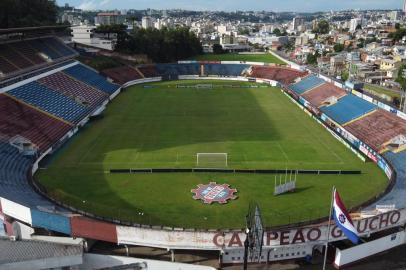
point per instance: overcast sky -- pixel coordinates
(232, 5)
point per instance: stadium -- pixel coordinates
(171, 155)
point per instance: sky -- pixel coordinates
(232, 5)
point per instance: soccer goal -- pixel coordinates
(212, 160)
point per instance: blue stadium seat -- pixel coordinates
(348, 108)
(58, 46)
(231, 70)
(90, 77)
(172, 71)
(50, 101)
(13, 178)
(41, 46)
(306, 84)
(398, 193)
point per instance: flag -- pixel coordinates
(343, 219)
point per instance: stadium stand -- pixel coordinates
(170, 71)
(348, 108)
(28, 52)
(281, 74)
(224, 70)
(14, 57)
(41, 46)
(398, 193)
(123, 74)
(377, 128)
(306, 84)
(6, 66)
(321, 95)
(148, 71)
(50, 101)
(18, 56)
(74, 89)
(19, 119)
(58, 46)
(91, 77)
(13, 178)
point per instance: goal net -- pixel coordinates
(212, 160)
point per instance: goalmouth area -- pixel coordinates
(163, 125)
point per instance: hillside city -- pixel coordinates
(363, 46)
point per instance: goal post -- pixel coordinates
(212, 160)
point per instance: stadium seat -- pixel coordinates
(348, 108)
(13, 178)
(122, 75)
(224, 69)
(172, 71)
(280, 74)
(306, 84)
(50, 101)
(19, 119)
(76, 90)
(91, 77)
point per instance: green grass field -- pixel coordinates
(165, 126)
(266, 58)
(376, 89)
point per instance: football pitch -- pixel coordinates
(266, 57)
(160, 125)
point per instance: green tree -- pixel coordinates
(399, 34)
(24, 13)
(217, 49)
(401, 77)
(338, 47)
(323, 27)
(277, 32)
(312, 58)
(345, 75)
(164, 45)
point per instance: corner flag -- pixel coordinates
(343, 219)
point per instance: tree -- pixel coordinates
(323, 27)
(359, 27)
(312, 58)
(23, 13)
(218, 49)
(243, 31)
(400, 79)
(164, 45)
(399, 34)
(345, 75)
(277, 32)
(338, 47)
(397, 26)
